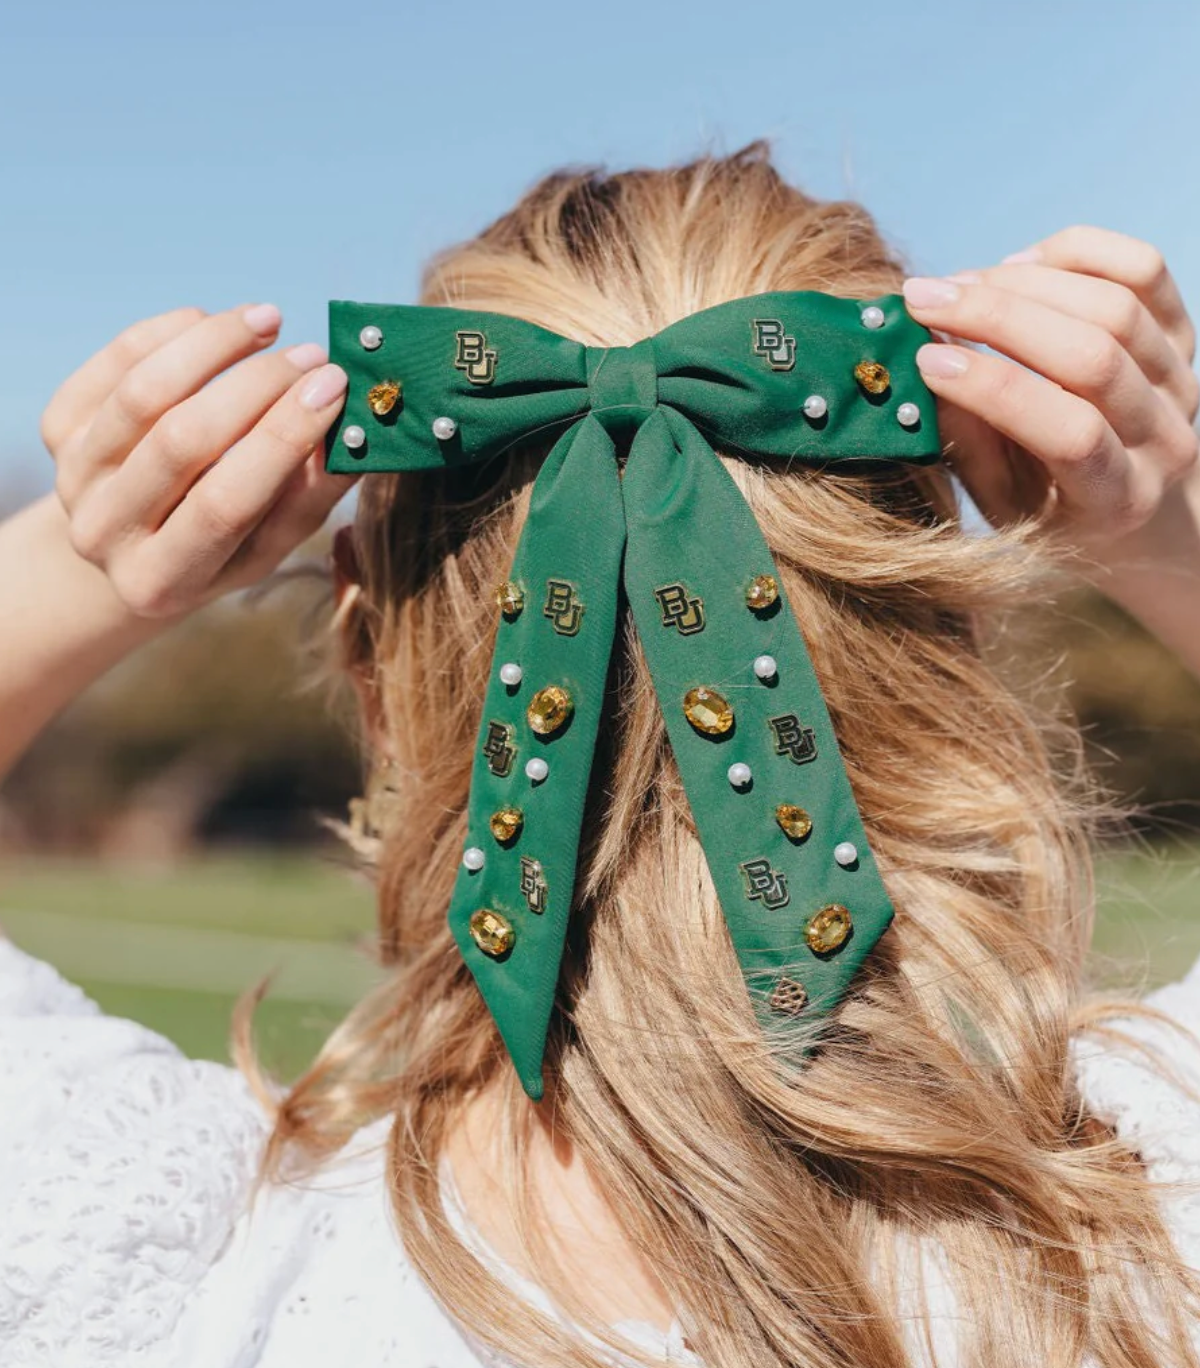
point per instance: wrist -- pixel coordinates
(1154, 573)
(62, 623)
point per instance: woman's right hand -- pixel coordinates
(190, 458)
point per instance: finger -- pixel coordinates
(141, 492)
(177, 564)
(172, 374)
(1093, 472)
(1137, 265)
(74, 403)
(300, 512)
(1075, 354)
(1115, 308)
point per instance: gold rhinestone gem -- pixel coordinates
(549, 709)
(763, 590)
(506, 824)
(829, 929)
(789, 996)
(492, 932)
(383, 398)
(872, 376)
(509, 598)
(793, 821)
(707, 711)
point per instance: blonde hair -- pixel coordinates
(780, 1202)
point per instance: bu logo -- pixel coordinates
(773, 344)
(475, 357)
(533, 884)
(563, 607)
(793, 739)
(679, 610)
(499, 749)
(764, 884)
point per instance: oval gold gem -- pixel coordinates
(509, 598)
(549, 709)
(872, 376)
(383, 398)
(829, 929)
(761, 592)
(506, 824)
(492, 932)
(707, 710)
(793, 821)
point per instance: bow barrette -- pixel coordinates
(800, 375)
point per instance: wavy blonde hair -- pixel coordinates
(780, 1203)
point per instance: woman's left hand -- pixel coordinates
(1085, 419)
(1092, 432)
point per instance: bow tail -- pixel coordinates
(509, 916)
(801, 922)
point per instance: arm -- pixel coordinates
(61, 623)
(1092, 432)
(181, 475)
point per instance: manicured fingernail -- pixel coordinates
(263, 319)
(942, 362)
(967, 277)
(928, 292)
(325, 387)
(1020, 258)
(307, 355)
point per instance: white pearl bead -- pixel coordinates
(371, 337)
(740, 774)
(510, 674)
(845, 853)
(473, 859)
(909, 415)
(872, 316)
(353, 436)
(537, 769)
(765, 667)
(444, 428)
(815, 406)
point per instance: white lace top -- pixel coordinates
(126, 1238)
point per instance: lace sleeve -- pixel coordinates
(1150, 1092)
(123, 1166)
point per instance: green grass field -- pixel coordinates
(174, 948)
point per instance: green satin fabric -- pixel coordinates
(674, 525)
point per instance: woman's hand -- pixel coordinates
(180, 475)
(185, 475)
(1085, 419)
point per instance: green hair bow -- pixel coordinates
(803, 376)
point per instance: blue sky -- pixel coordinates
(157, 154)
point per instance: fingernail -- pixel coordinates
(940, 361)
(928, 292)
(1020, 258)
(263, 319)
(327, 385)
(967, 277)
(307, 355)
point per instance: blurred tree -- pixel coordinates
(1139, 708)
(222, 729)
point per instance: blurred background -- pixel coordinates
(164, 842)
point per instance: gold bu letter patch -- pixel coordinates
(680, 610)
(563, 607)
(776, 348)
(474, 357)
(765, 884)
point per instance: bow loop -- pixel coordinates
(802, 376)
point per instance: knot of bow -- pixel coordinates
(798, 375)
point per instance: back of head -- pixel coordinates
(775, 1195)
